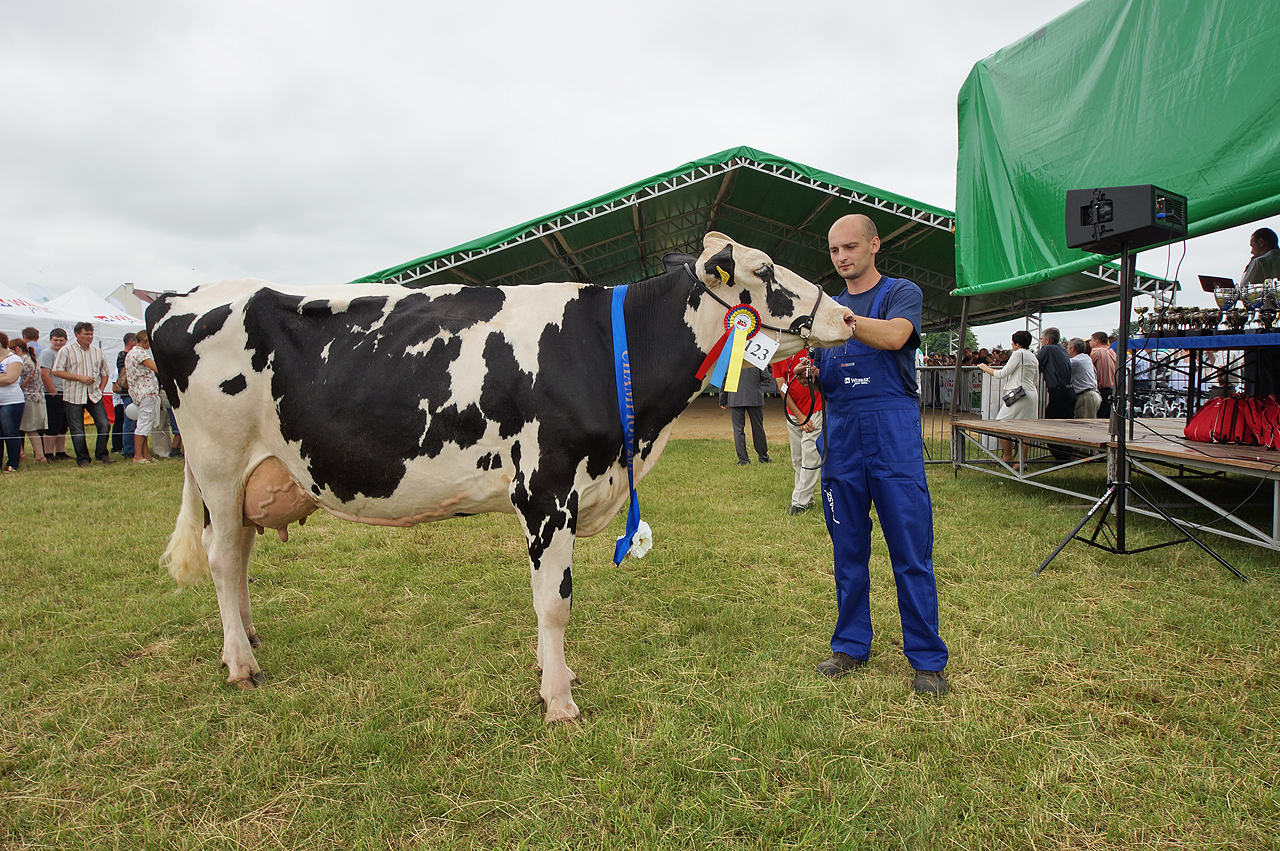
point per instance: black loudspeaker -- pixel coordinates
(1105, 220)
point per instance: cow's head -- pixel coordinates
(740, 275)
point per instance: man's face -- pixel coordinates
(1044, 341)
(129, 345)
(57, 342)
(84, 338)
(852, 253)
(1256, 248)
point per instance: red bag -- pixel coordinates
(1267, 423)
(1226, 419)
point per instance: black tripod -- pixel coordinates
(1118, 490)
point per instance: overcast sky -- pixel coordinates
(169, 144)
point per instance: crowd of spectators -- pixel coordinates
(991, 357)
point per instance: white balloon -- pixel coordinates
(131, 411)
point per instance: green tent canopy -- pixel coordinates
(1182, 94)
(781, 207)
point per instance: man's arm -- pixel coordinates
(888, 335)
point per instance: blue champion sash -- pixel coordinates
(626, 408)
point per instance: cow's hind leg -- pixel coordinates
(229, 545)
(551, 578)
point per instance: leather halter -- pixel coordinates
(801, 326)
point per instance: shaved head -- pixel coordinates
(866, 228)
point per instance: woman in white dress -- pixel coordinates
(1022, 369)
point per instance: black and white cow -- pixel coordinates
(394, 405)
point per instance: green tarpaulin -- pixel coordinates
(1183, 94)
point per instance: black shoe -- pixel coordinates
(107, 459)
(799, 509)
(766, 460)
(176, 453)
(839, 664)
(743, 463)
(84, 463)
(931, 683)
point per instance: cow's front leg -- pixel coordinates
(551, 565)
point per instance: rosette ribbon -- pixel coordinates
(724, 361)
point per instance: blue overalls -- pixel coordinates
(874, 455)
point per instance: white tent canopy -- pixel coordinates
(110, 323)
(18, 312)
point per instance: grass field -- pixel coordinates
(1114, 702)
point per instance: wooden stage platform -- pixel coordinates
(1157, 449)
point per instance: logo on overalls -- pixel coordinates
(857, 382)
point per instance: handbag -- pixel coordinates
(1013, 395)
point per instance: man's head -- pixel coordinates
(1050, 337)
(1077, 347)
(84, 334)
(130, 340)
(31, 334)
(1262, 241)
(58, 338)
(853, 242)
(1099, 339)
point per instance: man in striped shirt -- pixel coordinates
(83, 370)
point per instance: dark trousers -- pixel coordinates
(1061, 406)
(738, 417)
(1104, 410)
(122, 428)
(75, 427)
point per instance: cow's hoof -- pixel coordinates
(559, 712)
(250, 682)
(254, 641)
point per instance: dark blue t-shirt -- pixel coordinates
(903, 300)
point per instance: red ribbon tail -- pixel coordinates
(713, 355)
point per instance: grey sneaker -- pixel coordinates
(930, 683)
(839, 664)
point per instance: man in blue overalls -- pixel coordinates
(874, 454)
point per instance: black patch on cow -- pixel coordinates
(506, 397)
(157, 310)
(779, 300)
(566, 584)
(340, 374)
(232, 386)
(744, 297)
(173, 345)
(489, 461)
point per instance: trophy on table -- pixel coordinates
(1253, 294)
(1142, 327)
(1268, 304)
(1225, 297)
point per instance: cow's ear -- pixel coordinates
(672, 261)
(719, 266)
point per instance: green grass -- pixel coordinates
(1114, 702)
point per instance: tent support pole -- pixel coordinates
(957, 375)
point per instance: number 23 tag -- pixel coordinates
(759, 351)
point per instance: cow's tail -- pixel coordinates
(185, 557)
